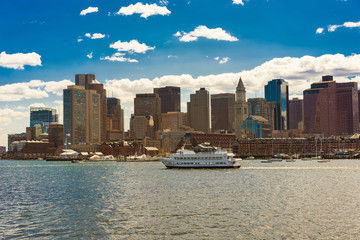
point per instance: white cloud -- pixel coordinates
(203, 31)
(90, 55)
(89, 10)
(119, 57)
(19, 60)
(224, 60)
(172, 56)
(319, 31)
(238, 2)
(80, 40)
(34, 89)
(95, 35)
(299, 72)
(332, 28)
(164, 2)
(146, 10)
(7, 116)
(132, 46)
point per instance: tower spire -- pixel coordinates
(240, 85)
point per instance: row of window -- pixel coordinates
(196, 163)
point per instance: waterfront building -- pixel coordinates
(192, 139)
(331, 108)
(241, 107)
(115, 120)
(256, 127)
(81, 115)
(259, 107)
(277, 94)
(142, 127)
(149, 104)
(56, 135)
(173, 120)
(42, 116)
(296, 113)
(2, 149)
(15, 137)
(222, 112)
(170, 98)
(199, 111)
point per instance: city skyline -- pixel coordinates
(256, 40)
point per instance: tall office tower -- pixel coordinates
(199, 111)
(241, 107)
(170, 98)
(81, 115)
(149, 104)
(277, 94)
(222, 112)
(331, 108)
(141, 127)
(296, 113)
(42, 116)
(259, 107)
(99, 88)
(84, 79)
(115, 120)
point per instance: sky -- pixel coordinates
(134, 46)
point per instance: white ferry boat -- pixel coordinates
(202, 156)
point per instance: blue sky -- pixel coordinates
(133, 46)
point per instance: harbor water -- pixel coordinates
(279, 200)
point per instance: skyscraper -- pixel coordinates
(199, 111)
(84, 79)
(115, 120)
(81, 115)
(149, 104)
(241, 107)
(331, 108)
(277, 94)
(296, 113)
(222, 112)
(43, 116)
(170, 98)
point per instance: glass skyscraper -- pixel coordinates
(42, 116)
(277, 94)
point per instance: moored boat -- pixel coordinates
(202, 156)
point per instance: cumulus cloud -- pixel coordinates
(299, 72)
(19, 60)
(205, 32)
(222, 60)
(95, 35)
(34, 89)
(89, 10)
(145, 11)
(132, 46)
(319, 31)
(119, 57)
(7, 116)
(238, 2)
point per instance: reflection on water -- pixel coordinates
(301, 200)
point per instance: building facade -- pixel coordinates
(199, 111)
(241, 108)
(149, 104)
(115, 120)
(331, 108)
(222, 112)
(277, 94)
(82, 117)
(43, 116)
(173, 120)
(256, 127)
(259, 107)
(170, 98)
(142, 127)
(296, 113)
